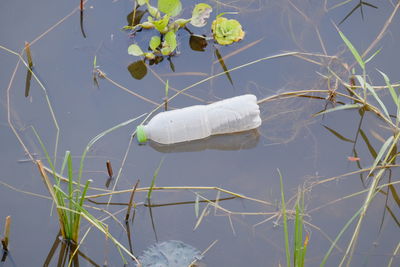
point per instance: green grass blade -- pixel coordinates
(391, 89)
(71, 216)
(339, 236)
(47, 155)
(380, 153)
(64, 164)
(153, 181)
(297, 237)
(285, 226)
(373, 55)
(342, 107)
(352, 49)
(374, 94)
(166, 89)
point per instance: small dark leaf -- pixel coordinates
(222, 62)
(171, 64)
(138, 17)
(197, 43)
(138, 69)
(156, 60)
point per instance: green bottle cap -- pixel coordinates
(140, 134)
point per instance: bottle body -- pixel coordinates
(231, 115)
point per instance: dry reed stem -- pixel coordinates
(145, 189)
(109, 169)
(6, 238)
(131, 200)
(28, 54)
(103, 75)
(49, 187)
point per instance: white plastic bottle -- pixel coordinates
(236, 114)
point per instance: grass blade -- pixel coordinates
(338, 135)
(222, 63)
(374, 94)
(154, 179)
(380, 153)
(98, 137)
(391, 89)
(285, 226)
(373, 55)
(343, 107)
(352, 49)
(339, 236)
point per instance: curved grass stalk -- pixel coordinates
(49, 105)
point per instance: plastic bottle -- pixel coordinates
(236, 114)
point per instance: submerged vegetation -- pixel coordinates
(348, 89)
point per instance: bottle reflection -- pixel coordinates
(235, 141)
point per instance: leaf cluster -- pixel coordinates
(163, 19)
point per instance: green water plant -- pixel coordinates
(227, 31)
(299, 244)
(163, 19)
(69, 199)
(366, 98)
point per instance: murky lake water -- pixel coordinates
(290, 139)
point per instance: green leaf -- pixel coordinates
(381, 152)
(200, 14)
(153, 11)
(149, 55)
(170, 7)
(347, 106)
(135, 50)
(352, 50)
(181, 22)
(226, 31)
(155, 41)
(372, 91)
(142, 2)
(170, 39)
(165, 51)
(161, 25)
(153, 181)
(391, 89)
(373, 55)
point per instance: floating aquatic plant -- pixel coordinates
(162, 19)
(227, 31)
